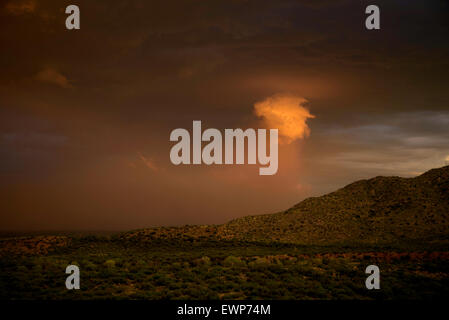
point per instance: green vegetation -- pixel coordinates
(112, 268)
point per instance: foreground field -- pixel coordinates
(114, 268)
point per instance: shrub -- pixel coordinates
(203, 261)
(232, 261)
(259, 262)
(110, 264)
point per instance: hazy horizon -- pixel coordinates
(11, 232)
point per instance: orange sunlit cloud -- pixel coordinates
(286, 113)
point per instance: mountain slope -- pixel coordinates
(382, 209)
(378, 210)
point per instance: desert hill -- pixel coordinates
(378, 210)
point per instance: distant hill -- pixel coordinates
(378, 210)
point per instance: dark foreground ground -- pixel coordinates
(112, 268)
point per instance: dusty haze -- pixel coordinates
(85, 116)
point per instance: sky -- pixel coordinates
(86, 115)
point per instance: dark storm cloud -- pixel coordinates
(85, 115)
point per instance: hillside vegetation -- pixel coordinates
(375, 211)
